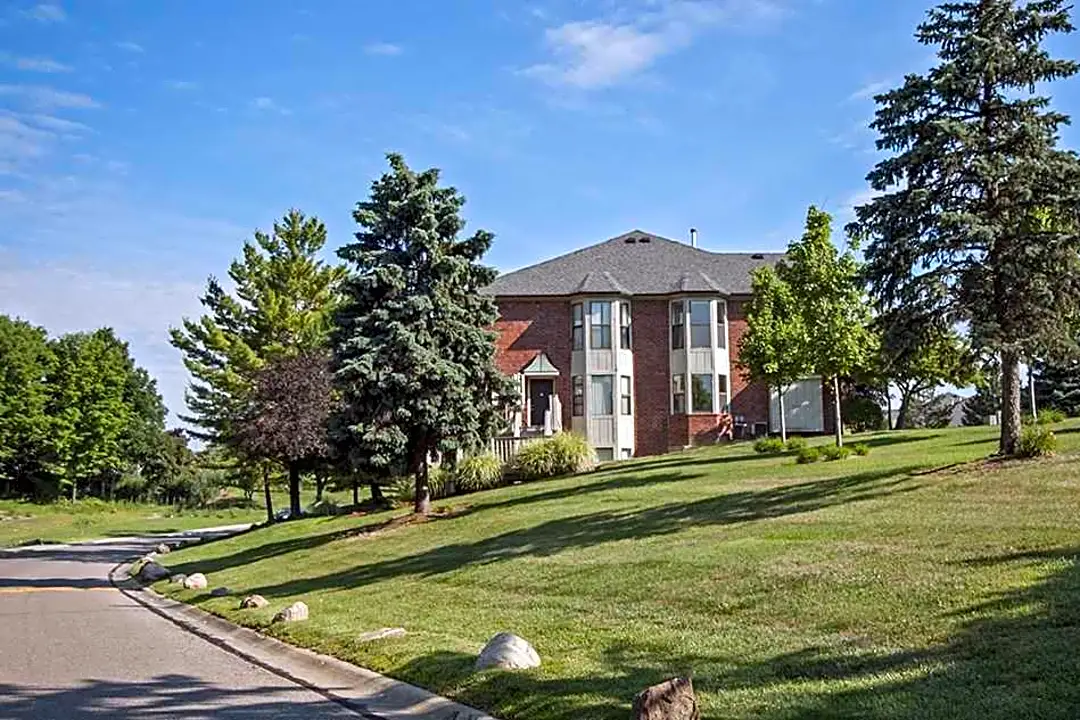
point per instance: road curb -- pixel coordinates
(362, 691)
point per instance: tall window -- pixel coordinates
(579, 326)
(678, 325)
(722, 392)
(700, 324)
(601, 401)
(624, 325)
(701, 391)
(678, 394)
(721, 324)
(578, 395)
(600, 326)
(625, 396)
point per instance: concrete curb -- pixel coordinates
(365, 692)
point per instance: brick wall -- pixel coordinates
(751, 400)
(652, 376)
(527, 327)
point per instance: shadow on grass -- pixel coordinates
(580, 531)
(1015, 657)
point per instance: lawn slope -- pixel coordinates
(908, 584)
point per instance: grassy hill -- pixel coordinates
(913, 583)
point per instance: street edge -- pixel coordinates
(365, 692)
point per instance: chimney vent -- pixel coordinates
(693, 237)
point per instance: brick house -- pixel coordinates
(633, 342)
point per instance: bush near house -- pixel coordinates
(1037, 441)
(561, 454)
(1050, 416)
(808, 456)
(832, 453)
(861, 449)
(769, 446)
(796, 444)
(479, 472)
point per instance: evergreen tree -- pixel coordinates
(828, 292)
(986, 401)
(975, 222)
(774, 348)
(26, 360)
(414, 352)
(282, 306)
(1057, 386)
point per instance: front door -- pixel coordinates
(539, 400)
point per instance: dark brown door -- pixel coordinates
(539, 398)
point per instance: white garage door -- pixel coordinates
(802, 401)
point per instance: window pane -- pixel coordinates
(601, 401)
(624, 326)
(579, 338)
(699, 336)
(678, 394)
(699, 312)
(600, 337)
(625, 393)
(676, 313)
(578, 407)
(600, 313)
(702, 393)
(722, 392)
(578, 314)
(721, 325)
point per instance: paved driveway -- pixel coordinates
(72, 648)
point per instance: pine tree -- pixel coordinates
(828, 293)
(975, 220)
(774, 348)
(414, 352)
(282, 307)
(1057, 386)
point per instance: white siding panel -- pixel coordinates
(577, 362)
(626, 431)
(601, 361)
(701, 360)
(802, 402)
(678, 362)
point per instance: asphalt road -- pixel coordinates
(72, 647)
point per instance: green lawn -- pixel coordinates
(897, 586)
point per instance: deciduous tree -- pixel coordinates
(975, 220)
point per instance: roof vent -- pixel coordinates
(757, 256)
(643, 240)
(630, 240)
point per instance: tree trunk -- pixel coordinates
(836, 415)
(422, 498)
(267, 496)
(320, 483)
(355, 493)
(1031, 388)
(74, 490)
(905, 410)
(377, 496)
(1010, 402)
(783, 413)
(294, 489)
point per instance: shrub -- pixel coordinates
(324, 508)
(1051, 417)
(832, 453)
(1036, 441)
(769, 446)
(808, 455)
(479, 472)
(562, 454)
(861, 449)
(862, 414)
(403, 488)
(796, 444)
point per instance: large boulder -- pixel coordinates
(253, 602)
(220, 592)
(152, 572)
(195, 581)
(293, 613)
(670, 700)
(507, 651)
(178, 578)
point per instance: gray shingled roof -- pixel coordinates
(637, 263)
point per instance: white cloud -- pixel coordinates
(601, 52)
(854, 200)
(267, 104)
(47, 13)
(41, 96)
(43, 65)
(383, 48)
(130, 46)
(182, 85)
(60, 125)
(868, 91)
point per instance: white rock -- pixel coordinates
(508, 652)
(292, 613)
(195, 581)
(163, 549)
(152, 572)
(296, 611)
(254, 601)
(382, 634)
(178, 578)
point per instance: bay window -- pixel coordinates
(601, 400)
(701, 392)
(600, 326)
(678, 325)
(700, 324)
(578, 326)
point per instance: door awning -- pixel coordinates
(540, 366)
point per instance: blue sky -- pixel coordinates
(142, 142)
